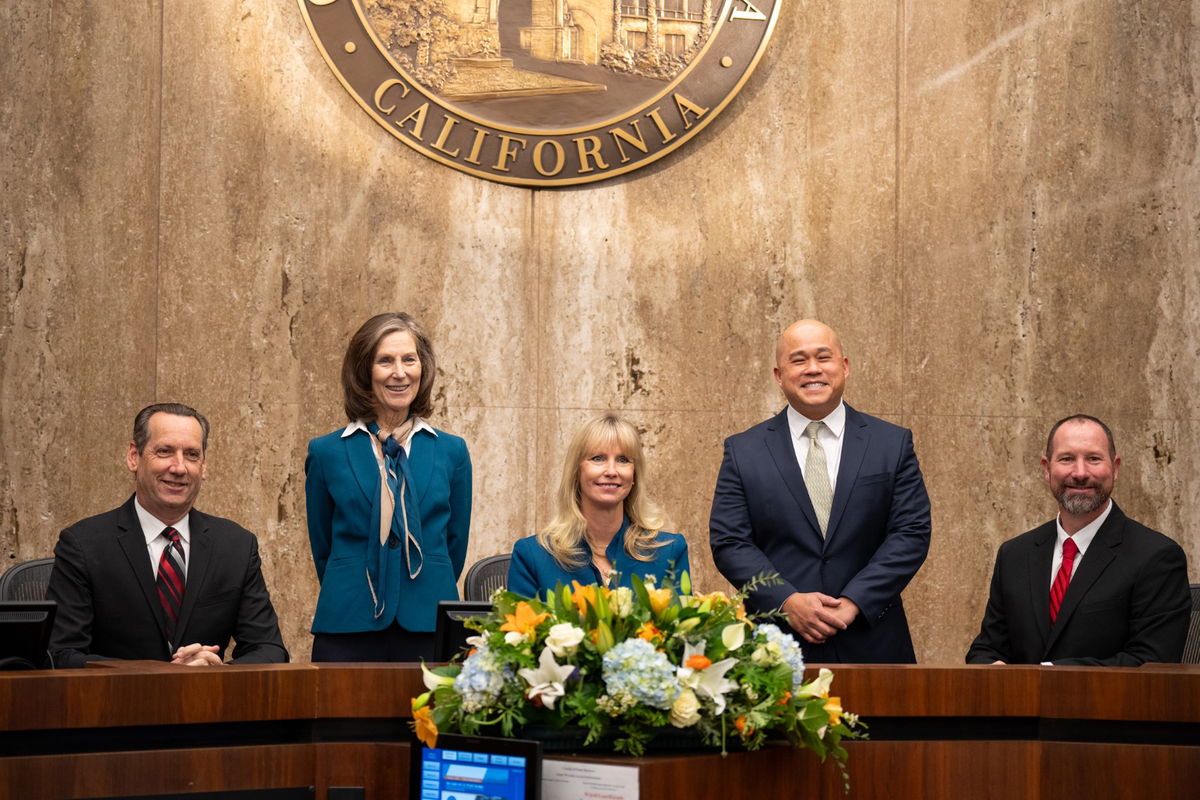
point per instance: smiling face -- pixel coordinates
(811, 369)
(395, 377)
(605, 477)
(169, 470)
(1080, 470)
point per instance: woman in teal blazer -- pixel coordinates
(605, 529)
(389, 503)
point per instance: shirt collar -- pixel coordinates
(152, 526)
(1083, 537)
(361, 425)
(836, 421)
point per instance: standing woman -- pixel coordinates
(604, 523)
(389, 503)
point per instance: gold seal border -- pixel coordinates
(691, 130)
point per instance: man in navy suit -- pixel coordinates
(1091, 587)
(830, 500)
(106, 578)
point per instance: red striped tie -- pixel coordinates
(170, 579)
(1063, 577)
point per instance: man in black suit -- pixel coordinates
(1091, 587)
(829, 499)
(156, 579)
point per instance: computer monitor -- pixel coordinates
(476, 768)
(25, 633)
(451, 635)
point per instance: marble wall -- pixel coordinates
(997, 204)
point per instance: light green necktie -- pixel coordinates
(816, 476)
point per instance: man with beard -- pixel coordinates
(1091, 587)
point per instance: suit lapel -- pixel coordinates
(420, 463)
(1100, 554)
(1040, 557)
(854, 447)
(133, 545)
(197, 572)
(783, 452)
(363, 465)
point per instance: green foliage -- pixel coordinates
(541, 661)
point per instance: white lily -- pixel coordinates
(547, 680)
(709, 681)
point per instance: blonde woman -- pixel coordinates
(605, 529)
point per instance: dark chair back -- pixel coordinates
(1191, 647)
(485, 577)
(27, 580)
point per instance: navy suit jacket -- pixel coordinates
(108, 605)
(763, 522)
(533, 571)
(342, 496)
(1128, 601)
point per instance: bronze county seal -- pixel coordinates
(542, 92)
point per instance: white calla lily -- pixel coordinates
(733, 636)
(433, 681)
(818, 687)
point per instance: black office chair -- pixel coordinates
(27, 580)
(1191, 647)
(485, 577)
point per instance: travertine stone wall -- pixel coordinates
(998, 205)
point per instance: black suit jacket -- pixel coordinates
(1128, 602)
(108, 606)
(763, 521)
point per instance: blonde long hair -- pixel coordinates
(565, 533)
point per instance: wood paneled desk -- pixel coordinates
(144, 728)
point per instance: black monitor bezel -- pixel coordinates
(448, 637)
(36, 631)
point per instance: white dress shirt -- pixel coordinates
(1083, 538)
(830, 436)
(152, 528)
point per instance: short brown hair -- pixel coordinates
(1112, 445)
(360, 353)
(141, 423)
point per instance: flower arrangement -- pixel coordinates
(627, 662)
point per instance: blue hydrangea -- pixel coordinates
(789, 648)
(481, 680)
(636, 669)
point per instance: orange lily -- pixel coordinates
(698, 661)
(425, 727)
(583, 595)
(740, 726)
(649, 632)
(524, 621)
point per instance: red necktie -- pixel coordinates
(1063, 577)
(170, 579)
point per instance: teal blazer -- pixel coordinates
(342, 497)
(534, 571)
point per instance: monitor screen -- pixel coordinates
(25, 633)
(451, 635)
(476, 768)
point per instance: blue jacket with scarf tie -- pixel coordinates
(366, 586)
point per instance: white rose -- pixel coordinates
(685, 711)
(514, 638)
(563, 638)
(766, 655)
